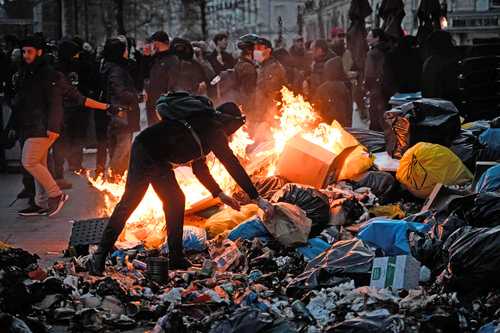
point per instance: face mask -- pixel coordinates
(258, 56)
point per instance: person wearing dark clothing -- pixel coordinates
(299, 57)
(220, 59)
(403, 68)
(374, 78)
(440, 69)
(246, 72)
(37, 119)
(321, 54)
(155, 152)
(161, 74)
(190, 75)
(333, 98)
(118, 88)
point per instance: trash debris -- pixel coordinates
(289, 225)
(399, 272)
(426, 164)
(265, 186)
(489, 181)
(250, 229)
(193, 239)
(228, 218)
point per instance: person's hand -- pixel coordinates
(52, 135)
(202, 88)
(229, 201)
(116, 109)
(266, 207)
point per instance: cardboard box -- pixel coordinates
(307, 163)
(399, 272)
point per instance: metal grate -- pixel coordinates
(87, 232)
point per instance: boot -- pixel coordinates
(97, 262)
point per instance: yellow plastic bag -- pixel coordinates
(389, 211)
(426, 164)
(228, 218)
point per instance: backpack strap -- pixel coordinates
(195, 136)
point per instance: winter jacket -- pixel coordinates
(374, 67)
(38, 104)
(227, 59)
(317, 71)
(119, 88)
(246, 74)
(189, 75)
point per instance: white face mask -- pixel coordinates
(258, 56)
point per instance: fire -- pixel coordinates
(296, 117)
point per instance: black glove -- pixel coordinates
(115, 109)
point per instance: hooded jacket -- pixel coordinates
(37, 105)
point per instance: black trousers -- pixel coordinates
(142, 172)
(101, 128)
(378, 106)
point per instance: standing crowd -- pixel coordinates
(52, 85)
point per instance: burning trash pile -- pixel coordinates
(371, 233)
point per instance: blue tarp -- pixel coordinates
(390, 235)
(489, 181)
(314, 247)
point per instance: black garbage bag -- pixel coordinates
(382, 184)
(344, 261)
(467, 147)
(474, 263)
(11, 324)
(425, 120)
(17, 257)
(265, 186)
(478, 210)
(251, 320)
(365, 325)
(495, 123)
(314, 203)
(374, 141)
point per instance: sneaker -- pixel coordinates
(64, 184)
(33, 210)
(56, 204)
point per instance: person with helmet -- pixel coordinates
(190, 128)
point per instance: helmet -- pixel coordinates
(247, 41)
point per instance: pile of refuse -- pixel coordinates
(412, 249)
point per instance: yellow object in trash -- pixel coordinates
(4, 246)
(426, 164)
(229, 218)
(389, 211)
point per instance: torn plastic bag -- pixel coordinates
(229, 218)
(194, 239)
(314, 203)
(467, 147)
(490, 139)
(314, 247)
(343, 261)
(426, 120)
(474, 262)
(265, 186)
(426, 164)
(289, 224)
(381, 183)
(489, 181)
(345, 211)
(373, 140)
(391, 236)
(253, 228)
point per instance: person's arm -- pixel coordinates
(55, 105)
(201, 172)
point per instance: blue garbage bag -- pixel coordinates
(489, 181)
(491, 139)
(249, 229)
(490, 327)
(194, 239)
(390, 235)
(314, 247)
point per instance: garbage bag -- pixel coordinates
(467, 147)
(229, 218)
(491, 140)
(490, 180)
(426, 164)
(265, 186)
(357, 162)
(345, 211)
(369, 325)
(425, 120)
(474, 263)
(373, 140)
(495, 123)
(388, 211)
(382, 184)
(478, 210)
(289, 224)
(343, 261)
(391, 236)
(11, 324)
(314, 247)
(194, 239)
(490, 327)
(314, 203)
(250, 320)
(253, 228)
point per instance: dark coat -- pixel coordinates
(374, 67)
(227, 59)
(119, 89)
(161, 76)
(402, 70)
(317, 71)
(38, 104)
(189, 75)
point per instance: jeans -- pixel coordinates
(34, 160)
(142, 172)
